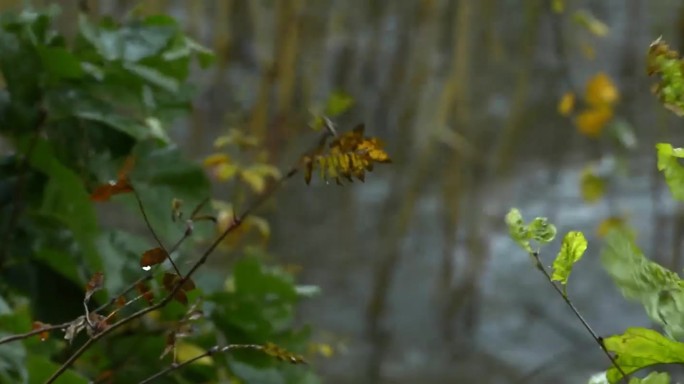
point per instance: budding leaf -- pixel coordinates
(638, 348)
(572, 249)
(94, 284)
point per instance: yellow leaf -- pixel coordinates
(591, 23)
(592, 187)
(610, 223)
(255, 180)
(325, 350)
(566, 104)
(266, 170)
(338, 103)
(186, 351)
(216, 159)
(601, 90)
(225, 172)
(591, 122)
(558, 6)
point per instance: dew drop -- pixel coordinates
(146, 268)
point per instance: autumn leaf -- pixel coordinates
(145, 292)
(40, 325)
(105, 191)
(122, 184)
(153, 257)
(601, 90)
(282, 354)
(350, 155)
(566, 104)
(94, 284)
(591, 122)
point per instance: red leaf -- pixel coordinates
(105, 191)
(39, 325)
(95, 284)
(153, 257)
(169, 281)
(126, 168)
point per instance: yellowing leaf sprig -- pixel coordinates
(350, 155)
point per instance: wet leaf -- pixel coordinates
(573, 247)
(153, 257)
(39, 325)
(104, 192)
(94, 284)
(638, 348)
(566, 104)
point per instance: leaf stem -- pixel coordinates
(26, 335)
(579, 316)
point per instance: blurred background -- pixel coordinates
(543, 105)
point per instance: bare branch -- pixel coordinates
(211, 351)
(579, 316)
(34, 332)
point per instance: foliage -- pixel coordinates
(659, 290)
(87, 119)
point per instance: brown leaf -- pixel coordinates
(170, 344)
(153, 257)
(181, 297)
(105, 377)
(145, 292)
(104, 192)
(39, 325)
(169, 280)
(94, 284)
(120, 301)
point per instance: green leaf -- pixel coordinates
(541, 230)
(659, 290)
(572, 249)
(59, 63)
(652, 378)
(671, 168)
(40, 369)
(518, 230)
(154, 77)
(66, 199)
(639, 348)
(338, 103)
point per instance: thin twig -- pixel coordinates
(26, 335)
(154, 233)
(235, 224)
(211, 351)
(579, 316)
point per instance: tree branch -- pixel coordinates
(211, 351)
(237, 221)
(26, 335)
(566, 299)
